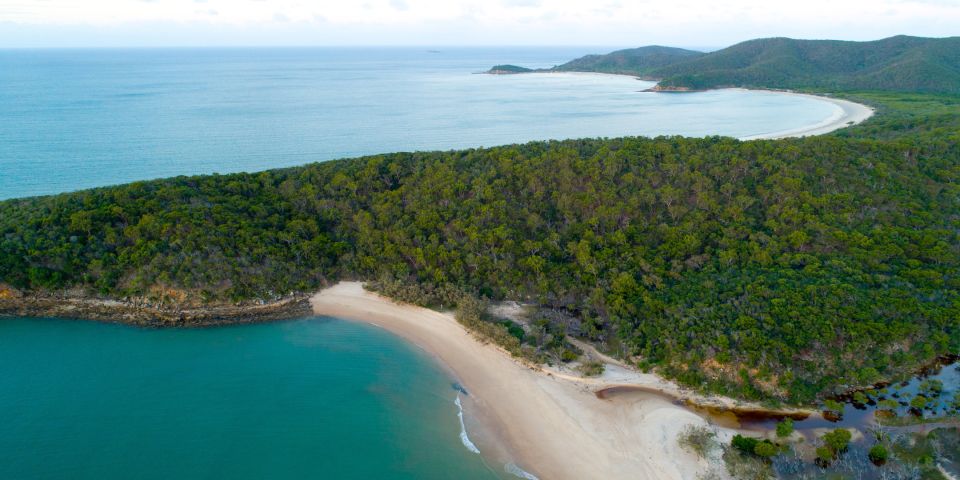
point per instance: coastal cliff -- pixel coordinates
(143, 312)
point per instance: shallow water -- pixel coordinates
(312, 398)
(72, 119)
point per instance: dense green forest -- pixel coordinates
(895, 64)
(764, 269)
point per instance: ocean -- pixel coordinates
(73, 119)
(309, 398)
(312, 398)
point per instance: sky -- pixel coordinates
(684, 23)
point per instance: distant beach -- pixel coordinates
(848, 114)
(549, 424)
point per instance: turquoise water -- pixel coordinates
(314, 398)
(72, 119)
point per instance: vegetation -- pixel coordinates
(766, 449)
(785, 428)
(698, 439)
(837, 440)
(833, 408)
(509, 69)
(900, 64)
(591, 368)
(471, 312)
(896, 64)
(878, 454)
(753, 446)
(742, 465)
(634, 61)
(795, 255)
(924, 451)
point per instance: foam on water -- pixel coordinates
(463, 429)
(272, 390)
(516, 471)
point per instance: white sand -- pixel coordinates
(552, 424)
(846, 113)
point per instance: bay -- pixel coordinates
(310, 398)
(73, 119)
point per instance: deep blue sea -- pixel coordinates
(73, 119)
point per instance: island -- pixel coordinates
(508, 70)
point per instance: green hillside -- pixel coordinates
(636, 61)
(903, 64)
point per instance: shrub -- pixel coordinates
(824, 455)
(591, 368)
(878, 454)
(833, 407)
(698, 439)
(838, 440)
(919, 402)
(744, 444)
(785, 428)
(765, 449)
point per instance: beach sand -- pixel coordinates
(846, 114)
(549, 423)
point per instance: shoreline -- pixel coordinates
(547, 423)
(146, 314)
(848, 113)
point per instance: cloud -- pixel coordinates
(521, 3)
(455, 22)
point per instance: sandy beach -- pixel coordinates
(550, 424)
(847, 113)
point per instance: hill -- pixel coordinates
(635, 61)
(896, 64)
(902, 64)
(508, 70)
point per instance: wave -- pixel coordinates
(516, 471)
(463, 429)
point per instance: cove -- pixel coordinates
(309, 398)
(74, 119)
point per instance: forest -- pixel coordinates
(761, 269)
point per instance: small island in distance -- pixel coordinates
(806, 291)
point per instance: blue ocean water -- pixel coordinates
(73, 119)
(312, 398)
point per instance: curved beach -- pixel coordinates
(847, 114)
(551, 425)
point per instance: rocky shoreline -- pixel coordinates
(142, 313)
